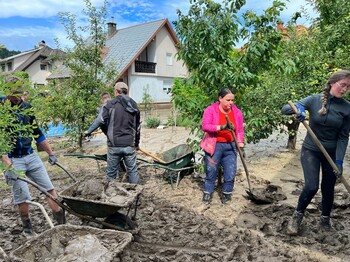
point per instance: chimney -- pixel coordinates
(41, 44)
(112, 28)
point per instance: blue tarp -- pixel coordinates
(55, 130)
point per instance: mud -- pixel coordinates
(174, 225)
(73, 243)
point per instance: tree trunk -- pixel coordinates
(292, 131)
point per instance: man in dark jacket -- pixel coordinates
(24, 159)
(121, 125)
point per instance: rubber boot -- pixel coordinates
(226, 198)
(294, 225)
(27, 228)
(206, 198)
(60, 216)
(325, 223)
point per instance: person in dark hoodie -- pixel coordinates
(23, 158)
(329, 118)
(121, 124)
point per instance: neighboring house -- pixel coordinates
(145, 58)
(38, 63)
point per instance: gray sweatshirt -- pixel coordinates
(331, 129)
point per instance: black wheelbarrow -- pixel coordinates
(109, 199)
(177, 162)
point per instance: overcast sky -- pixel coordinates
(24, 23)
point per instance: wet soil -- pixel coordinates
(174, 225)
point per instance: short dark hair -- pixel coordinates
(225, 91)
(105, 93)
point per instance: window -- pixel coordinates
(9, 66)
(43, 67)
(3, 67)
(169, 59)
(167, 86)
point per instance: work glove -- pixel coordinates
(228, 126)
(339, 164)
(52, 159)
(242, 151)
(300, 116)
(86, 134)
(10, 177)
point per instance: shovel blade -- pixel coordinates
(260, 200)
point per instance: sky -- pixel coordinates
(24, 23)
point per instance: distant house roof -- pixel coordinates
(125, 45)
(41, 51)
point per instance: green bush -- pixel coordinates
(152, 122)
(180, 121)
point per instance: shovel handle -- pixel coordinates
(65, 170)
(240, 154)
(151, 155)
(321, 147)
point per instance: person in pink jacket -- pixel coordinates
(219, 145)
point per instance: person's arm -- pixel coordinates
(138, 129)
(97, 122)
(104, 120)
(208, 124)
(6, 160)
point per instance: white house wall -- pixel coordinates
(154, 84)
(166, 45)
(37, 75)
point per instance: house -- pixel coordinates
(145, 57)
(38, 63)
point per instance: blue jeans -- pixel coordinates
(114, 156)
(225, 155)
(311, 162)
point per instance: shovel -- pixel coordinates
(320, 146)
(251, 196)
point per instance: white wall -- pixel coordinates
(155, 84)
(166, 45)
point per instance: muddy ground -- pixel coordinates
(174, 225)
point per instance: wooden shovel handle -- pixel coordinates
(320, 146)
(240, 154)
(151, 155)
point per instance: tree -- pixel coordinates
(208, 34)
(4, 52)
(8, 115)
(74, 101)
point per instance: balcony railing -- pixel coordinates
(145, 67)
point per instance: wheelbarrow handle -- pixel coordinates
(65, 170)
(151, 155)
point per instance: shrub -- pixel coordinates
(152, 122)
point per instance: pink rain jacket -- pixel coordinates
(210, 121)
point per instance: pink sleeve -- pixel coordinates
(209, 120)
(239, 125)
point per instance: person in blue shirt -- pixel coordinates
(329, 119)
(22, 158)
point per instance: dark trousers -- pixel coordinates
(312, 162)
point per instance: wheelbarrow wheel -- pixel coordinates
(121, 220)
